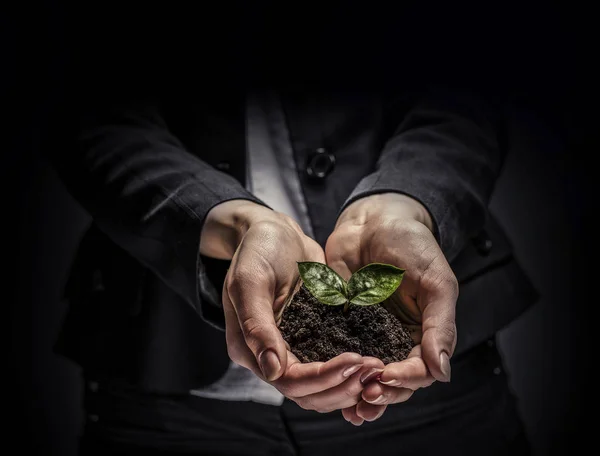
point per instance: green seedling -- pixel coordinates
(371, 284)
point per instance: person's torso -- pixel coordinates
(125, 322)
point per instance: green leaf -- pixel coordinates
(374, 283)
(323, 283)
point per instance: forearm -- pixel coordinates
(446, 154)
(145, 191)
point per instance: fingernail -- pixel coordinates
(392, 382)
(269, 364)
(351, 370)
(379, 400)
(368, 375)
(445, 366)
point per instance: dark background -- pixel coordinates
(544, 198)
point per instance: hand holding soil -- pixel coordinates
(388, 228)
(261, 275)
(395, 229)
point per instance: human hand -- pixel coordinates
(394, 228)
(265, 247)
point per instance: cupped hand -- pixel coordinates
(394, 228)
(265, 247)
(325, 387)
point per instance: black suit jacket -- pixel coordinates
(145, 306)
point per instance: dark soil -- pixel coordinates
(317, 332)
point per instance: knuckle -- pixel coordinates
(271, 226)
(229, 285)
(447, 330)
(293, 224)
(405, 229)
(281, 229)
(411, 368)
(452, 284)
(319, 370)
(449, 282)
(253, 329)
(432, 276)
(233, 285)
(416, 365)
(436, 279)
(353, 391)
(242, 278)
(395, 374)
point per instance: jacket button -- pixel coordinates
(483, 244)
(320, 164)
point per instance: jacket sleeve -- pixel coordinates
(145, 191)
(446, 152)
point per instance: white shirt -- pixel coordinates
(273, 178)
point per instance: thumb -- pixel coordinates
(439, 329)
(437, 349)
(257, 323)
(437, 346)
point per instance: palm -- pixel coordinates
(406, 310)
(407, 253)
(424, 301)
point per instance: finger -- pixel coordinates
(369, 412)
(341, 396)
(437, 299)
(251, 291)
(351, 416)
(237, 349)
(372, 369)
(411, 373)
(378, 394)
(303, 379)
(344, 395)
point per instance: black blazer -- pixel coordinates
(145, 306)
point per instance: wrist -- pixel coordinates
(397, 204)
(226, 224)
